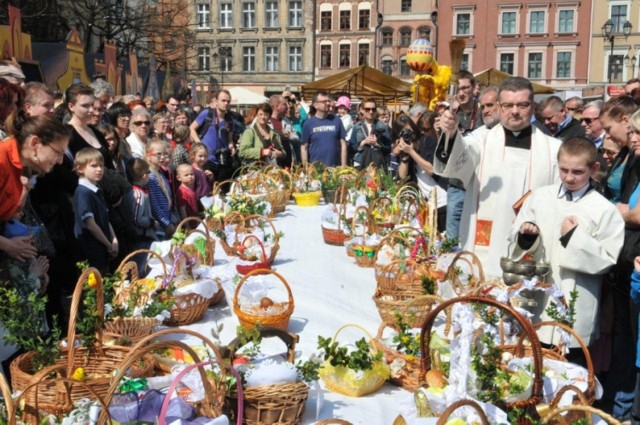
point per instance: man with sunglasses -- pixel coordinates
(370, 139)
(590, 121)
(323, 135)
(498, 168)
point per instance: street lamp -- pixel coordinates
(222, 55)
(607, 32)
(633, 59)
(434, 20)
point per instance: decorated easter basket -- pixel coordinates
(364, 253)
(346, 381)
(337, 236)
(98, 362)
(280, 404)
(282, 310)
(190, 249)
(261, 263)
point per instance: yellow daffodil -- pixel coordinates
(92, 281)
(78, 374)
(410, 357)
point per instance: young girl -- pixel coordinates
(159, 189)
(203, 178)
(182, 144)
(186, 199)
(138, 171)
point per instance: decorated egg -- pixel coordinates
(420, 55)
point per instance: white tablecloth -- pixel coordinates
(329, 290)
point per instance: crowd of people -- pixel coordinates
(93, 176)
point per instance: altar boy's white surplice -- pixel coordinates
(496, 177)
(592, 249)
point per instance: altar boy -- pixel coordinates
(574, 228)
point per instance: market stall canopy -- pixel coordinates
(493, 77)
(362, 82)
(242, 96)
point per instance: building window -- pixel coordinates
(345, 20)
(563, 64)
(405, 6)
(536, 22)
(325, 56)
(405, 37)
(248, 15)
(203, 16)
(424, 32)
(295, 14)
(465, 62)
(404, 68)
(463, 24)
(345, 55)
(508, 23)
(618, 16)
(248, 58)
(225, 60)
(387, 37)
(506, 62)
(325, 20)
(565, 21)
(271, 58)
(364, 16)
(534, 69)
(615, 66)
(363, 54)
(226, 20)
(271, 14)
(295, 58)
(203, 58)
(387, 66)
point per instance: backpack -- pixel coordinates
(202, 130)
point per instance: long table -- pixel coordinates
(329, 291)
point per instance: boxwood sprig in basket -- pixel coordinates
(359, 359)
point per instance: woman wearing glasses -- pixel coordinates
(80, 101)
(140, 129)
(370, 139)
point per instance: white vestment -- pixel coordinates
(495, 178)
(592, 249)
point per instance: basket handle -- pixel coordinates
(76, 302)
(396, 235)
(566, 388)
(420, 242)
(249, 237)
(451, 272)
(178, 331)
(129, 257)
(260, 218)
(425, 337)
(363, 330)
(289, 339)
(167, 398)
(591, 381)
(260, 272)
(137, 354)
(355, 221)
(578, 408)
(444, 417)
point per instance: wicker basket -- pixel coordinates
(281, 404)
(554, 417)
(406, 276)
(364, 255)
(475, 265)
(578, 399)
(210, 247)
(278, 321)
(382, 214)
(442, 420)
(337, 378)
(260, 264)
(413, 308)
(213, 404)
(400, 239)
(187, 309)
(409, 376)
(246, 224)
(337, 236)
(99, 362)
(307, 199)
(527, 406)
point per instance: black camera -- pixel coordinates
(378, 132)
(406, 135)
(223, 156)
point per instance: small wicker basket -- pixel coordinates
(278, 321)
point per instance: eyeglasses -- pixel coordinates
(57, 151)
(369, 109)
(159, 154)
(588, 120)
(609, 152)
(139, 123)
(523, 106)
(323, 101)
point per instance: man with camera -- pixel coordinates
(370, 139)
(214, 128)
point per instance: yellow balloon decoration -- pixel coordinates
(432, 88)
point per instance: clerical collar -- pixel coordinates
(520, 139)
(576, 195)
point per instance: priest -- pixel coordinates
(498, 167)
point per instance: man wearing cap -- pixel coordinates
(323, 135)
